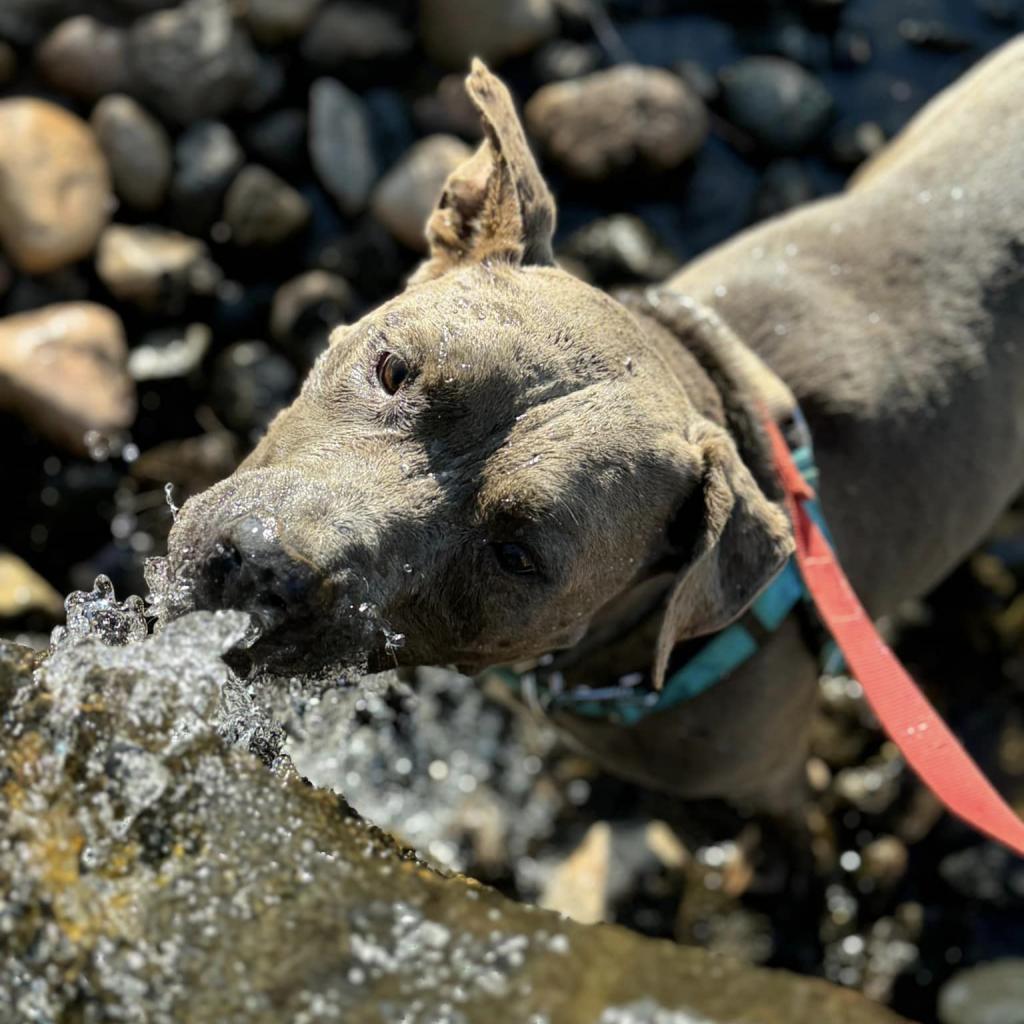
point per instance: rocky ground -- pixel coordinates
(192, 194)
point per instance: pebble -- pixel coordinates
(933, 35)
(137, 148)
(262, 209)
(448, 110)
(346, 31)
(63, 368)
(851, 48)
(578, 887)
(192, 464)
(784, 184)
(279, 139)
(169, 352)
(250, 384)
(453, 31)
(852, 144)
(990, 993)
(562, 59)
(191, 61)
(782, 107)
(408, 193)
(884, 860)
(277, 21)
(8, 63)
(83, 58)
(306, 308)
(340, 144)
(618, 120)
(620, 249)
(23, 591)
(154, 267)
(54, 185)
(207, 157)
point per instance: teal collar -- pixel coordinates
(716, 658)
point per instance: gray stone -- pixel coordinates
(262, 209)
(137, 149)
(207, 157)
(347, 30)
(313, 302)
(407, 194)
(620, 249)
(8, 62)
(625, 119)
(991, 993)
(277, 21)
(454, 31)
(191, 61)
(83, 58)
(340, 144)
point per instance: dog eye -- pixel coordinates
(392, 370)
(515, 559)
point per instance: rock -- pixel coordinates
(851, 144)
(851, 48)
(307, 308)
(54, 185)
(453, 31)
(563, 58)
(991, 993)
(68, 284)
(24, 592)
(780, 105)
(250, 385)
(262, 209)
(616, 121)
(169, 352)
(340, 144)
(884, 861)
(207, 157)
(345, 32)
(619, 249)
(154, 267)
(190, 62)
(934, 35)
(406, 196)
(62, 368)
(785, 184)
(83, 58)
(266, 84)
(8, 63)
(191, 465)
(279, 139)
(448, 110)
(368, 257)
(578, 885)
(137, 149)
(186, 881)
(277, 21)
(390, 125)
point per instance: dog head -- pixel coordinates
(479, 466)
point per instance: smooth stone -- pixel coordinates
(137, 148)
(170, 352)
(8, 63)
(311, 304)
(23, 591)
(207, 157)
(277, 21)
(564, 58)
(83, 58)
(62, 369)
(341, 145)
(346, 31)
(251, 383)
(851, 144)
(453, 31)
(990, 993)
(618, 249)
(408, 193)
(190, 62)
(620, 120)
(784, 185)
(279, 139)
(262, 209)
(192, 464)
(780, 105)
(448, 110)
(54, 185)
(153, 267)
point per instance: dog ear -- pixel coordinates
(732, 542)
(494, 205)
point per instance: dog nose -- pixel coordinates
(250, 569)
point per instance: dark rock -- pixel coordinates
(851, 48)
(368, 256)
(277, 21)
(934, 35)
(207, 157)
(620, 120)
(620, 249)
(169, 352)
(390, 125)
(788, 37)
(780, 105)
(346, 32)
(991, 993)
(262, 209)
(307, 308)
(985, 873)
(699, 79)
(279, 139)
(8, 62)
(563, 58)
(83, 58)
(137, 149)
(250, 384)
(785, 184)
(190, 62)
(340, 144)
(448, 110)
(1005, 13)
(192, 464)
(851, 144)
(267, 85)
(453, 31)
(68, 284)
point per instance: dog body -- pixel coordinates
(503, 461)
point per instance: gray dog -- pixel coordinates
(504, 462)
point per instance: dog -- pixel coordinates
(504, 463)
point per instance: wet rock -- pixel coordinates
(620, 120)
(154, 267)
(262, 209)
(54, 185)
(780, 105)
(250, 384)
(448, 110)
(207, 157)
(277, 21)
(347, 32)
(577, 887)
(620, 249)
(368, 257)
(62, 368)
(933, 35)
(24, 592)
(884, 861)
(64, 285)
(985, 873)
(8, 63)
(191, 61)
(453, 31)
(564, 58)
(340, 144)
(406, 196)
(308, 307)
(279, 139)
(169, 352)
(124, 810)
(785, 184)
(83, 58)
(266, 86)
(991, 993)
(390, 125)
(851, 144)
(137, 149)
(191, 465)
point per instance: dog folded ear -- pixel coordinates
(494, 206)
(732, 541)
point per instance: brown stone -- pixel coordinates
(454, 31)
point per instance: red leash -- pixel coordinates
(907, 717)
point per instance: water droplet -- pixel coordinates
(169, 498)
